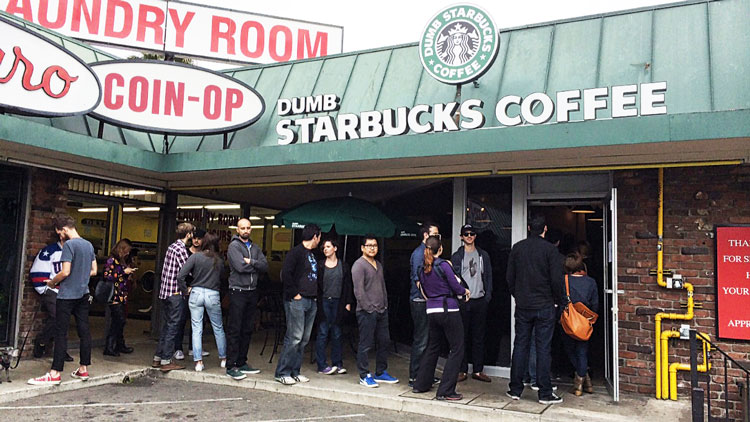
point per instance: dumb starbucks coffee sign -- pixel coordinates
(459, 44)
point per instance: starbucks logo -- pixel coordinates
(459, 44)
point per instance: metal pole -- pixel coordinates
(697, 392)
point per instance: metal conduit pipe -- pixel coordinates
(673, 368)
(663, 376)
(659, 280)
(662, 368)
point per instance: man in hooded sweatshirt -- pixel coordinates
(246, 263)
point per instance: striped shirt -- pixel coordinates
(175, 258)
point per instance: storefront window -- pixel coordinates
(488, 209)
(11, 227)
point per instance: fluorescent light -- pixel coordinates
(233, 227)
(190, 207)
(145, 209)
(223, 207)
(270, 217)
(254, 217)
(131, 192)
(93, 209)
(256, 227)
(275, 226)
(129, 209)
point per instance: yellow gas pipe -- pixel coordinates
(665, 337)
(673, 368)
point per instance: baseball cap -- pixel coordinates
(467, 228)
(199, 233)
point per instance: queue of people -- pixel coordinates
(449, 302)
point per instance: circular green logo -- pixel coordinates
(459, 44)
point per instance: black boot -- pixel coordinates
(110, 347)
(123, 348)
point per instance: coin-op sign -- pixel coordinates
(166, 97)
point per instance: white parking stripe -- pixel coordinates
(145, 403)
(315, 418)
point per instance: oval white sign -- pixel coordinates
(168, 97)
(41, 78)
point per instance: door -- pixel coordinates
(611, 367)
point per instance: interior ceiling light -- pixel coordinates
(190, 207)
(256, 227)
(583, 209)
(223, 207)
(270, 217)
(93, 209)
(253, 217)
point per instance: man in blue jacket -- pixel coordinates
(417, 303)
(473, 265)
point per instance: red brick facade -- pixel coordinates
(48, 198)
(695, 201)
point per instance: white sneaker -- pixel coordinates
(341, 371)
(198, 366)
(179, 355)
(223, 363)
(301, 378)
(203, 353)
(286, 380)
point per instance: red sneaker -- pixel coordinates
(83, 376)
(45, 379)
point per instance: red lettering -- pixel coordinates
(227, 35)
(234, 100)
(127, 24)
(180, 27)
(156, 97)
(24, 10)
(273, 43)
(174, 100)
(212, 102)
(92, 17)
(303, 41)
(245, 39)
(62, 6)
(28, 70)
(156, 24)
(138, 101)
(110, 81)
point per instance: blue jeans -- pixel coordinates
(171, 309)
(531, 373)
(578, 353)
(300, 316)
(542, 323)
(202, 298)
(328, 323)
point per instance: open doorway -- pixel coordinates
(579, 225)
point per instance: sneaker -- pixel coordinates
(247, 369)
(411, 382)
(199, 367)
(301, 378)
(45, 379)
(451, 397)
(341, 371)
(368, 381)
(386, 378)
(179, 355)
(553, 399)
(535, 387)
(223, 363)
(512, 396)
(156, 363)
(329, 370)
(235, 374)
(83, 376)
(68, 358)
(203, 353)
(286, 380)
(435, 381)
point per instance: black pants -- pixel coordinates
(180, 336)
(443, 326)
(373, 332)
(474, 318)
(240, 324)
(49, 304)
(171, 310)
(115, 335)
(79, 308)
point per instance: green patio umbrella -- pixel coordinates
(350, 216)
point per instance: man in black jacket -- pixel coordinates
(473, 264)
(246, 263)
(535, 277)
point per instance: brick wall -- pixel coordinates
(695, 200)
(48, 198)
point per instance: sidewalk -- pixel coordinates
(481, 400)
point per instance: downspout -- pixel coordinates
(673, 368)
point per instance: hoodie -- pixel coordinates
(244, 276)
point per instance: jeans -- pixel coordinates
(328, 323)
(300, 316)
(542, 322)
(180, 336)
(200, 299)
(373, 333)
(240, 324)
(474, 318)
(419, 343)
(578, 353)
(79, 308)
(531, 372)
(171, 311)
(49, 300)
(444, 327)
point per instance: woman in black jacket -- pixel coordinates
(335, 300)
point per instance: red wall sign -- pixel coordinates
(168, 97)
(39, 77)
(733, 282)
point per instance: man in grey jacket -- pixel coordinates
(246, 263)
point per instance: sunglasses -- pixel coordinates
(469, 234)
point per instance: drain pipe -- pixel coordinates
(673, 368)
(659, 281)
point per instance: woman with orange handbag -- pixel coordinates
(582, 289)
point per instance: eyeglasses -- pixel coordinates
(371, 246)
(466, 234)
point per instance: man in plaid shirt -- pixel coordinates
(172, 302)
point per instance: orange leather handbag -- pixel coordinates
(577, 319)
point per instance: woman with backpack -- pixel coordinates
(441, 287)
(206, 267)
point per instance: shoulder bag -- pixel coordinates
(577, 319)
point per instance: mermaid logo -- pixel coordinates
(459, 44)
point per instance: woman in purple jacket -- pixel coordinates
(440, 288)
